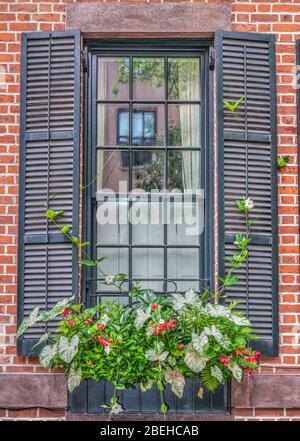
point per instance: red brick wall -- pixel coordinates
(281, 17)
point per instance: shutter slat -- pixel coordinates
(49, 164)
(247, 166)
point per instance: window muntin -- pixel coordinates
(161, 256)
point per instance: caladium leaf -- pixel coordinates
(217, 373)
(56, 310)
(74, 377)
(68, 349)
(194, 361)
(176, 380)
(43, 338)
(153, 356)
(189, 298)
(141, 317)
(240, 321)
(47, 355)
(29, 321)
(199, 342)
(223, 340)
(237, 371)
(146, 384)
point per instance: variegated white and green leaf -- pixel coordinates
(237, 371)
(31, 320)
(217, 373)
(178, 301)
(153, 356)
(68, 349)
(195, 361)
(191, 297)
(43, 338)
(56, 310)
(175, 378)
(240, 321)
(141, 317)
(74, 377)
(48, 353)
(146, 384)
(200, 342)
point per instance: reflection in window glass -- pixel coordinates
(184, 79)
(184, 125)
(111, 174)
(108, 119)
(148, 124)
(148, 79)
(113, 78)
(184, 170)
(149, 175)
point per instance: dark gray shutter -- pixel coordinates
(247, 165)
(49, 165)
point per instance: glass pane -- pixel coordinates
(148, 79)
(112, 223)
(146, 221)
(184, 125)
(148, 124)
(113, 78)
(148, 264)
(186, 222)
(116, 262)
(148, 170)
(184, 79)
(183, 263)
(112, 125)
(112, 171)
(184, 170)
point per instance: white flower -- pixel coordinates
(107, 350)
(109, 280)
(249, 204)
(116, 409)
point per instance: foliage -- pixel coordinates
(282, 161)
(159, 341)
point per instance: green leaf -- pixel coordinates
(217, 373)
(74, 377)
(282, 161)
(176, 380)
(189, 298)
(43, 338)
(200, 342)
(52, 214)
(146, 384)
(68, 349)
(99, 260)
(29, 321)
(164, 408)
(83, 244)
(87, 262)
(194, 361)
(48, 353)
(120, 277)
(237, 371)
(65, 229)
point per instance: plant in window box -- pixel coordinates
(159, 341)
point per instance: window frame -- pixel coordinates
(149, 47)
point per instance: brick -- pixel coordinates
(52, 413)
(23, 413)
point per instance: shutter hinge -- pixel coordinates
(84, 59)
(211, 58)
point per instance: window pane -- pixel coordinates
(183, 263)
(186, 222)
(112, 223)
(148, 79)
(148, 170)
(184, 79)
(112, 170)
(184, 125)
(148, 264)
(113, 78)
(148, 122)
(112, 125)
(146, 221)
(184, 170)
(116, 262)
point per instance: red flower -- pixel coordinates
(101, 325)
(102, 341)
(88, 321)
(66, 311)
(110, 340)
(156, 332)
(257, 354)
(180, 346)
(71, 323)
(154, 306)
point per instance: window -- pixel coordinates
(148, 154)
